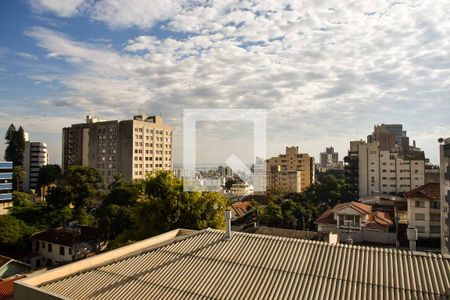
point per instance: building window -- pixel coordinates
(435, 204)
(420, 217)
(435, 217)
(70, 251)
(61, 250)
(43, 245)
(345, 220)
(49, 247)
(420, 204)
(37, 245)
(420, 229)
(435, 229)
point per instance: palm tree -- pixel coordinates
(19, 175)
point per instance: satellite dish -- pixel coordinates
(440, 140)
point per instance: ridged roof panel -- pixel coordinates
(251, 266)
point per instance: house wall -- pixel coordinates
(54, 255)
(426, 210)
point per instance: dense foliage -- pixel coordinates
(154, 205)
(299, 210)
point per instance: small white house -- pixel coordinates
(65, 244)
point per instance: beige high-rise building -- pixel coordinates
(130, 147)
(284, 170)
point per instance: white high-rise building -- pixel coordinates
(377, 171)
(34, 158)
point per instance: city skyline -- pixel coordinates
(326, 72)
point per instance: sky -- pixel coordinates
(325, 71)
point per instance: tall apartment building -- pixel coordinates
(284, 181)
(445, 195)
(279, 168)
(390, 137)
(370, 170)
(329, 157)
(6, 177)
(129, 147)
(35, 157)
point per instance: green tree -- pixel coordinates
(119, 209)
(22, 199)
(79, 186)
(328, 192)
(48, 175)
(272, 215)
(13, 233)
(15, 140)
(18, 175)
(165, 206)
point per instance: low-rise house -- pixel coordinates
(424, 210)
(65, 244)
(241, 189)
(357, 221)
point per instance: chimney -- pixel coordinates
(228, 232)
(412, 237)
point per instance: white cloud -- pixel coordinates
(322, 68)
(27, 55)
(139, 13)
(62, 8)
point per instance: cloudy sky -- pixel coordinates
(326, 71)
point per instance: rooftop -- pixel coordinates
(67, 236)
(203, 264)
(429, 191)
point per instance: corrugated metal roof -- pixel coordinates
(252, 266)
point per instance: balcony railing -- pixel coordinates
(6, 175)
(4, 197)
(6, 165)
(5, 186)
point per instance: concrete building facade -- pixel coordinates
(284, 181)
(390, 137)
(130, 147)
(370, 170)
(6, 177)
(424, 211)
(445, 195)
(280, 168)
(329, 157)
(34, 158)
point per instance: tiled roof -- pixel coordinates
(376, 219)
(240, 209)
(326, 217)
(204, 265)
(428, 191)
